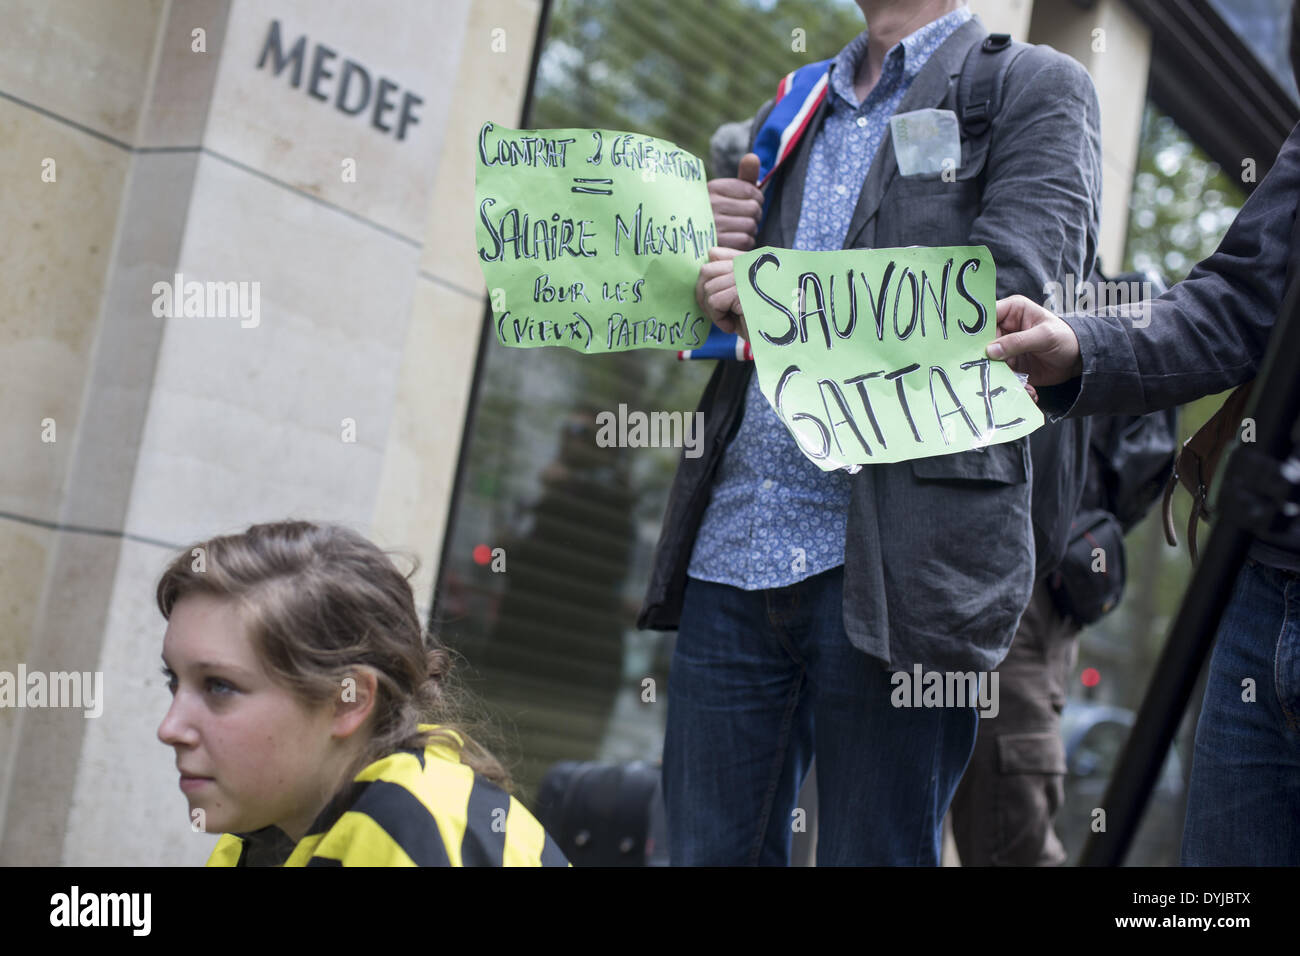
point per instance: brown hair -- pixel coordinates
(321, 599)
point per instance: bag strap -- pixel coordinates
(979, 88)
(1198, 462)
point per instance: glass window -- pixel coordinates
(1265, 27)
(552, 537)
(1182, 202)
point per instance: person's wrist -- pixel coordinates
(1070, 341)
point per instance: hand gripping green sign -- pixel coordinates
(877, 355)
(591, 239)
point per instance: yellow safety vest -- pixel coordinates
(416, 809)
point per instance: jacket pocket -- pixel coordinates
(928, 211)
(1031, 753)
(970, 168)
(1003, 464)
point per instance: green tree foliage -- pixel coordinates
(1182, 202)
(678, 70)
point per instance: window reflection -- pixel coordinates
(551, 641)
(1265, 27)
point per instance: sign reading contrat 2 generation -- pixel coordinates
(877, 355)
(591, 239)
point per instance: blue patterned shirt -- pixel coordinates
(775, 518)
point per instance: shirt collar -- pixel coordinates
(269, 846)
(906, 57)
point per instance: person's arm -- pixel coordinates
(1206, 334)
(737, 204)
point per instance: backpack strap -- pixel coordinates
(979, 88)
(1198, 462)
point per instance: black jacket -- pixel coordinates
(1205, 335)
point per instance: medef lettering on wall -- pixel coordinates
(347, 85)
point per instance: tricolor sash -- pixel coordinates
(797, 97)
(720, 345)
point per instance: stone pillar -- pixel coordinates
(78, 88)
(197, 138)
(1005, 16)
(425, 438)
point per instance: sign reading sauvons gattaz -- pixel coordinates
(878, 355)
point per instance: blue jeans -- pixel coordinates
(761, 680)
(1243, 804)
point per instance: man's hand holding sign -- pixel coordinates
(873, 356)
(736, 205)
(1035, 341)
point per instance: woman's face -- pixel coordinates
(250, 754)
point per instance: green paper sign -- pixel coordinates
(591, 239)
(877, 355)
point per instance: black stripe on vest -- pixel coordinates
(484, 844)
(339, 805)
(415, 752)
(405, 819)
(552, 855)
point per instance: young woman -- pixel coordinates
(312, 721)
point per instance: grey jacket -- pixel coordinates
(1206, 334)
(939, 552)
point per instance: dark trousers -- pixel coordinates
(1243, 805)
(762, 680)
(1015, 782)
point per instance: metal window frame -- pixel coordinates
(1214, 86)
